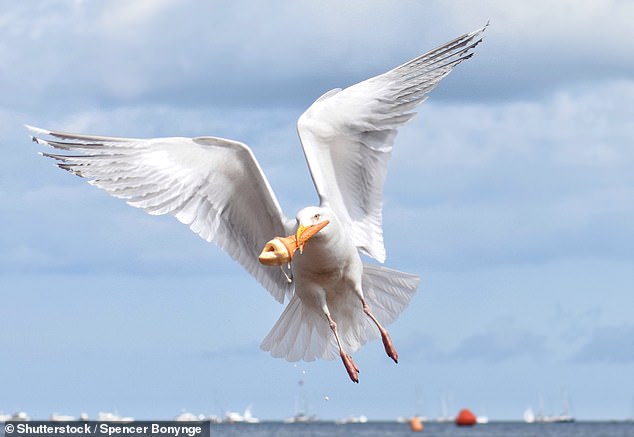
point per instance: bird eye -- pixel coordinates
(316, 217)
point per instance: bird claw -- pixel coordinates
(353, 363)
(351, 367)
(390, 350)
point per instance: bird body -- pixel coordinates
(336, 301)
(329, 269)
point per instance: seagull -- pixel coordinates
(337, 301)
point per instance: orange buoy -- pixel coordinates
(415, 424)
(465, 418)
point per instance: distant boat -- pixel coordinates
(444, 416)
(352, 419)
(482, 419)
(530, 417)
(302, 417)
(564, 416)
(246, 417)
(540, 417)
(233, 417)
(20, 416)
(112, 417)
(301, 406)
(186, 416)
(402, 419)
(561, 418)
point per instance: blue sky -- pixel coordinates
(511, 195)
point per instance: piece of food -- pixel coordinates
(280, 250)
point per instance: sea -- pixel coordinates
(394, 429)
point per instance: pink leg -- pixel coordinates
(351, 367)
(385, 336)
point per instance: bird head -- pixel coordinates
(280, 250)
(310, 222)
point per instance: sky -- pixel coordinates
(510, 194)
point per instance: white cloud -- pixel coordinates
(121, 20)
(502, 341)
(518, 181)
(608, 344)
(192, 53)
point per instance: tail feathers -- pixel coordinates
(302, 333)
(388, 292)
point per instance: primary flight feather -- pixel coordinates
(217, 188)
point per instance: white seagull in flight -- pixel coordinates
(214, 185)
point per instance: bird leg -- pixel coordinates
(349, 364)
(385, 336)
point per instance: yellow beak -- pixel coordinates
(304, 233)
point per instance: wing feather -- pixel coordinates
(347, 136)
(213, 185)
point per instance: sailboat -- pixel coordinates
(563, 417)
(445, 417)
(300, 408)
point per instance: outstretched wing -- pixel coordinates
(213, 185)
(347, 137)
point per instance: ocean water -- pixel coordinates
(392, 429)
